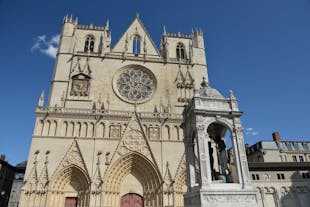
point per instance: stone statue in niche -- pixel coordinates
(222, 157)
(211, 161)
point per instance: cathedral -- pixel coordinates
(112, 132)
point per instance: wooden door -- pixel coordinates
(71, 202)
(132, 200)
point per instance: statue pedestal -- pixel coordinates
(223, 195)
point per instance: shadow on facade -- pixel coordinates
(298, 194)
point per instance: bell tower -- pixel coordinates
(213, 179)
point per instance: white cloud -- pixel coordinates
(47, 47)
(251, 131)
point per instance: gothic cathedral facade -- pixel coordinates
(110, 133)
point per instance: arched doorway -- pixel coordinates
(143, 170)
(131, 200)
(70, 188)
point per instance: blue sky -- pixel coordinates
(259, 49)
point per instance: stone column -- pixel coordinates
(243, 165)
(190, 164)
(236, 157)
(204, 159)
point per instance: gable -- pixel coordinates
(136, 29)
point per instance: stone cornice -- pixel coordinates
(56, 112)
(275, 166)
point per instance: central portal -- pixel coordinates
(130, 177)
(132, 200)
(71, 202)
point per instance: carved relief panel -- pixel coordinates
(154, 133)
(115, 131)
(80, 85)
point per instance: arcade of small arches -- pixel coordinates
(51, 127)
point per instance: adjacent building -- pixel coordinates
(281, 171)
(7, 172)
(17, 184)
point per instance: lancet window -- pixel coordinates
(136, 45)
(89, 44)
(180, 51)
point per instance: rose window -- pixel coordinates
(135, 85)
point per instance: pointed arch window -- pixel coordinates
(136, 45)
(89, 44)
(180, 51)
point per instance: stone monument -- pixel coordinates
(211, 181)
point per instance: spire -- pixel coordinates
(76, 20)
(94, 106)
(137, 15)
(155, 109)
(41, 100)
(164, 32)
(65, 18)
(107, 25)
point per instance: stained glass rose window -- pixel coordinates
(135, 84)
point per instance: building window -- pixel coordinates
(283, 158)
(89, 44)
(255, 176)
(136, 45)
(280, 176)
(294, 158)
(301, 158)
(305, 175)
(180, 51)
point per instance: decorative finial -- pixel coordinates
(155, 109)
(204, 83)
(161, 105)
(108, 101)
(62, 99)
(76, 21)
(41, 100)
(144, 45)
(94, 106)
(107, 25)
(137, 15)
(164, 32)
(231, 94)
(126, 43)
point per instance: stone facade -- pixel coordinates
(111, 126)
